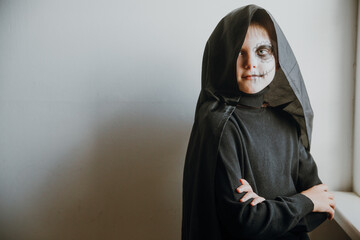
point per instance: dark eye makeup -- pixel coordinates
(264, 51)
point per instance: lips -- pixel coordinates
(250, 77)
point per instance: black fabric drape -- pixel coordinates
(217, 101)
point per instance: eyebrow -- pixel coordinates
(263, 45)
(267, 45)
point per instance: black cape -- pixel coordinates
(217, 101)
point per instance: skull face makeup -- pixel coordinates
(256, 64)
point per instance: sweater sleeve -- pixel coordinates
(307, 178)
(307, 173)
(271, 218)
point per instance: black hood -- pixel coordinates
(219, 69)
(217, 101)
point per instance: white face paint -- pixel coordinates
(255, 65)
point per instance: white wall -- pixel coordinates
(97, 100)
(356, 166)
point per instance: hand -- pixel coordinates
(245, 187)
(322, 199)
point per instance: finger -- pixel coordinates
(247, 196)
(257, 200)
(331, 214)
(244, 182)
(332, 204)
(331, 195)
(244, 188)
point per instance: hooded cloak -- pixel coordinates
(216, 104)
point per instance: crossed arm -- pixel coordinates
(247, 215)
(322, 199)
(243, 213)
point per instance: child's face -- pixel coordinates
(255, 65)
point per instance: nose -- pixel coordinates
(250, 61)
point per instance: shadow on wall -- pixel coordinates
(126, 185)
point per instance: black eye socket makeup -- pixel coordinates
(264, 52)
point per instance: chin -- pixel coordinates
(251, 89)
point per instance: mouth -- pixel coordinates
(252, 77)
(256, 75)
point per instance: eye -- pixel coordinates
(262, 52)
(242, 53)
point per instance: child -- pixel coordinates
(252, 128)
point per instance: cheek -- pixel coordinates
(267, 65)
(238, 67)
(270, 76)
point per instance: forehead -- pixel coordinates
(256, 33)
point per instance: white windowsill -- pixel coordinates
(347, 213)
